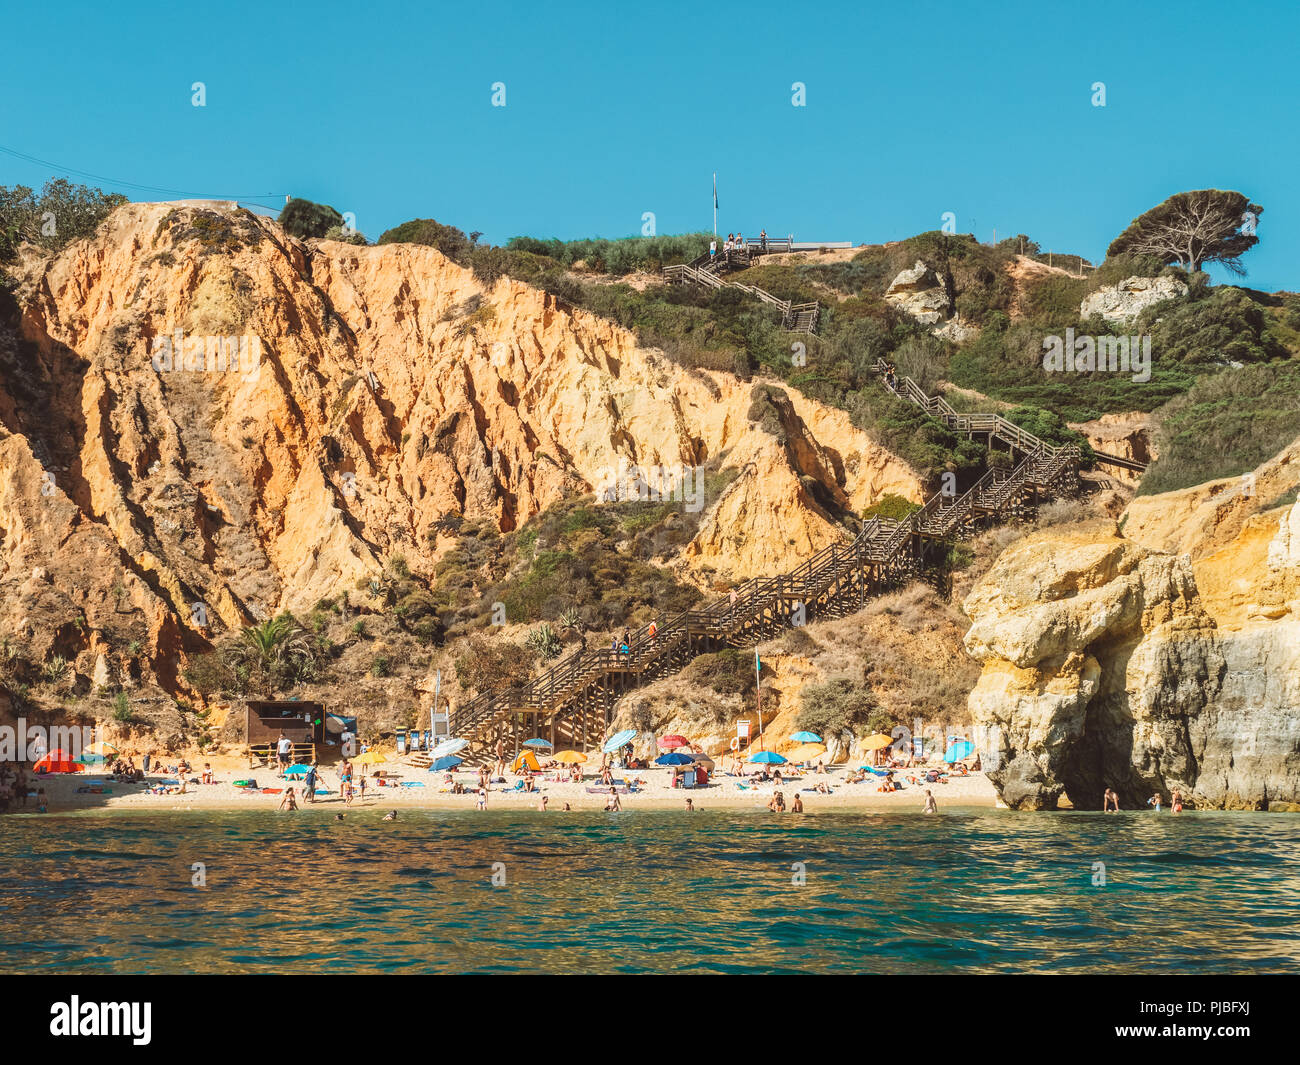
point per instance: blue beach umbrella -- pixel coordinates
(958, 749)
(674, 759)
(449, 761)
(537, 741)
(619, 739)
(298, 770)
(806, 737)
(766, 758)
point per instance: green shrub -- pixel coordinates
(838, 706)
(303, 219)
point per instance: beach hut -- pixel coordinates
(301, 721)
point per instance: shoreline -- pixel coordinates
(974, 790)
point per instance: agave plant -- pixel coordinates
(544, 641)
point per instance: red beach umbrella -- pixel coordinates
(671, 743)
(57, 762)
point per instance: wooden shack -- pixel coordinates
(302, 722)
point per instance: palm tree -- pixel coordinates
(278, 652)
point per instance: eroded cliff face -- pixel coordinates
(1108, 663)
(393, 389)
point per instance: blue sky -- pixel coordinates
(384, 109)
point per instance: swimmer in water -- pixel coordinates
(288, 802)
(1176, 802)
(796, 806)
(391, 815)
(931, 807)
(1110, 802)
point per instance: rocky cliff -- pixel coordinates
(158, 490)
(1164, 657)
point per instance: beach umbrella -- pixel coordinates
(958, 749)
(877, 742)
(526, 759)
(702, 759)
(571, 758)
(673, 758)
(537, 741)
(102, 749)
(447, 747)
(805, 737)
(448, 762)
(370, 758)
(669, 743)
(299, 770)
(807, 752)
(619, 739)
(57, 762)
(766, 758)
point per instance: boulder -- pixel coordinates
(919, 293)
(1123, 302)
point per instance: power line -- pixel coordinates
(132, 184)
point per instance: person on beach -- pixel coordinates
(482, 799)
(1110, 802)
(542, 805)
(713, 249)
(148, 756)
(612, 804)
(931, 807)
(362, 783)
(309, 782)
(762, 240)
(499, 770)
(207, 772)
(288, 802)
(283, 748)
(796, 807)
(567, 808)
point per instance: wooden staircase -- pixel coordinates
(707, 271)
(574, 699)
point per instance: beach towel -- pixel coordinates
(411, 784)
(605, 790)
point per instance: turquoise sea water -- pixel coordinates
(972, 891)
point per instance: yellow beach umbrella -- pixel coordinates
(102, 748)
(571, 758)
(807, 752)
(877, 742)
(370, 758)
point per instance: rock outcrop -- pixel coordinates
(1110, 664)
(170, 499)
(1122, 302)
(919, 293)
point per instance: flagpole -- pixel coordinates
(715, 203)
(758, 692)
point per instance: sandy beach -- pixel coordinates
(417, 788)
